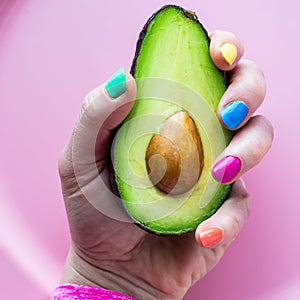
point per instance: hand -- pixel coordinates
(121, 256)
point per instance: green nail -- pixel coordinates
(116, 85)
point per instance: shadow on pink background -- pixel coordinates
(53, 52)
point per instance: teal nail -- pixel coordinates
(116, 85)
(233, 114)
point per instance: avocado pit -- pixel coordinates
(174, 157)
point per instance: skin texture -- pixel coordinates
(120, 255)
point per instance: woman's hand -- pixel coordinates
(118, 255)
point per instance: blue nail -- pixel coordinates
(116, 85)
(234, 113)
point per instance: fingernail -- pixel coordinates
(233, 114)
(229, 52)
(210, 236)
(226, 169)
(116, 85)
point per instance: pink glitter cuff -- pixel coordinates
(76, 291)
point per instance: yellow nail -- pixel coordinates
(229, 52)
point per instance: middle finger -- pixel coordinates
(244, 95)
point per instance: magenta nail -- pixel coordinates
(226, 169)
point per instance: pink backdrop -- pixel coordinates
(53, 52)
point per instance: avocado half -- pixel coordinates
(173, 119)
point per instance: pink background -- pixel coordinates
(53, 52)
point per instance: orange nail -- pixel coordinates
(210, 236)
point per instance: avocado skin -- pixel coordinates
(223, 193)
(192, 16)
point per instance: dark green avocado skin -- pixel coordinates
(189, 14)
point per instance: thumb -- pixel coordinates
(103, 109)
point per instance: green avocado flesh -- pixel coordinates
(174, 72)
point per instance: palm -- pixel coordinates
(169, 264)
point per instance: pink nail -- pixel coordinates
(226, 169)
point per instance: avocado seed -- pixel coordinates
(174, 156)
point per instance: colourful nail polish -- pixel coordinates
(226, 169)
(233, 114)
(210, 236)
(116, 85)
(229, 52)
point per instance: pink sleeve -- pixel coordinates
(75, 291)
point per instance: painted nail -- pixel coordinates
(226, 169)
(116, 85)
(233, 114)
(229, 52)
(210, 236)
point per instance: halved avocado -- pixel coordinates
(163, 152)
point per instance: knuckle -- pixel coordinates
(89, 105)
(258, 70)
(235, 225)
(265, 136)
(257, 154)
(256, 83)
(238, 219)
(88, 99)
(269, 128)
(86, 105)
(65, 165)
(266, 126)
(251, 64)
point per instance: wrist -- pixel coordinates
(79, 270)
